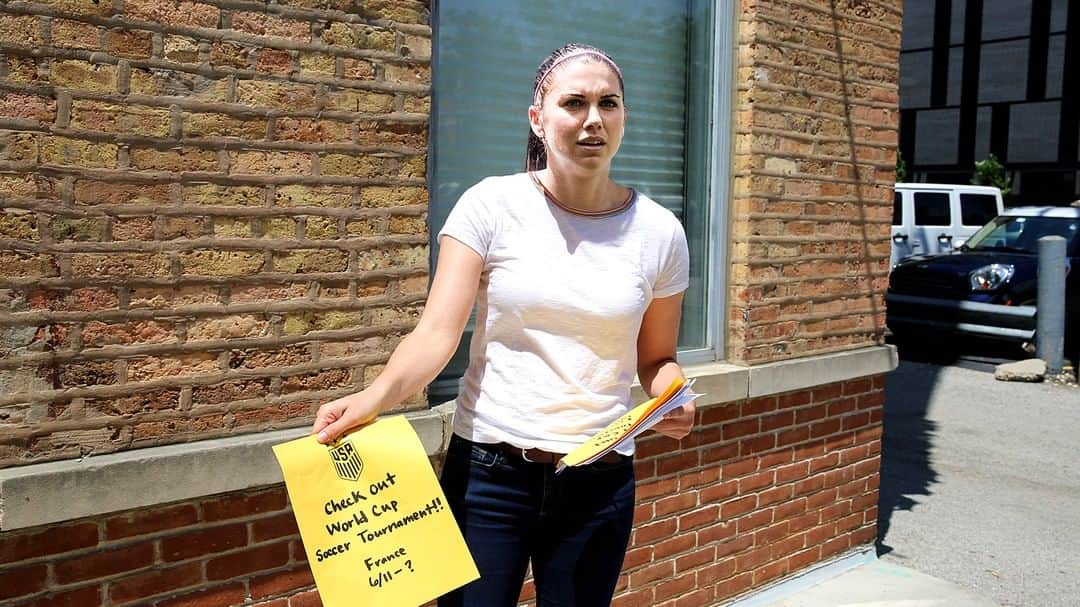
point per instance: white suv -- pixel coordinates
(937, 218)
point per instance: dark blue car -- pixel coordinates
(988, 287)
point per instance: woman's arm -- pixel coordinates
(423, 353)
(657, 367)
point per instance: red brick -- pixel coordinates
(720, 453)
(750, 447)
(676, 545)
(775, 495)
(823, 463)
(739, 468)
(835, 546)
(790, 509)
(679, 462)
(858, 386)
(281, 525)
(101, 564)
(698, 598)
(656, 571)
(716, 533)
(281, 582)
(636, 557)
(854, 422)
(697, 478)
(749, 484)
(786, 546)
(794, 399)
(680, 502)
(739, 429)
(203, 541)
(721, 570)
(770, 572)
(864, 535)
(695, 559)
(777, 420)
(676, 586)
(146, 522)
(22, 581)
(248, 561)
(82, 597)
(805, 558)
(719, 414)
(735, 585)
(698, 518)
(734, 508)
(871, 400)
(819, 534)
(821, 499)
(825, 393)
(636, 598)
(653, 532)
(234, 506)
(754, 520)
(840, 407)
(759, 405)
(836, 478)
(719, 492)
(655, 488)
(810, 414)
(809, 485)
(154, 582)
(229, 594)
(792, 472)
(26, 545)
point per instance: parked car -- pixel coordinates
(937, 218)
(989, 285)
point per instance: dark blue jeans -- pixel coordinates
(574, 527)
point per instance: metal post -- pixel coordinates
(1050, 320)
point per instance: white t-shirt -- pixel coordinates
(559, 308)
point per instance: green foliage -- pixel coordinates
(901, 169)
(991, 172)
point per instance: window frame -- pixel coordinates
(718, 36)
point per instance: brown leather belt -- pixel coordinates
(539, 456)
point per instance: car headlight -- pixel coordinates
(988, 278)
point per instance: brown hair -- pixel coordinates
(535, 154)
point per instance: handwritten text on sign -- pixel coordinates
(370, 504)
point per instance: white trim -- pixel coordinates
(38, 494)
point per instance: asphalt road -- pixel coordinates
(981, 481)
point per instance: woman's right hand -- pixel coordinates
(337, 416)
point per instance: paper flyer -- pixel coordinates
(630, 424)
(373, 519)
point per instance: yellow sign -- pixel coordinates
(374, 521)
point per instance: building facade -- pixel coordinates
(981, 77)
(217, 216)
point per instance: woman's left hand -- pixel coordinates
(677, 423)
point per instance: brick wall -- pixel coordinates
(214, 213)
(763, 488)
(814, 163)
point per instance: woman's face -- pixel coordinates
(582, 116)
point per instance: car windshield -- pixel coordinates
(1022, 234)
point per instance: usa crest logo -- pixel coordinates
(346, 461)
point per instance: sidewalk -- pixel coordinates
(883, 584)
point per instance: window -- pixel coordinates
(898, 209)
(932, 209)
(977, 209)
(486, 53)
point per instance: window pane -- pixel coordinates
(931, 209)
(481, 97)
(977, 209)
(897, 209)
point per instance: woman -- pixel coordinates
(578, 283)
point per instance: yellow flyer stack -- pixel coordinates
(375, 524)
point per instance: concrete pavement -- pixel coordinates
(883, 584)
